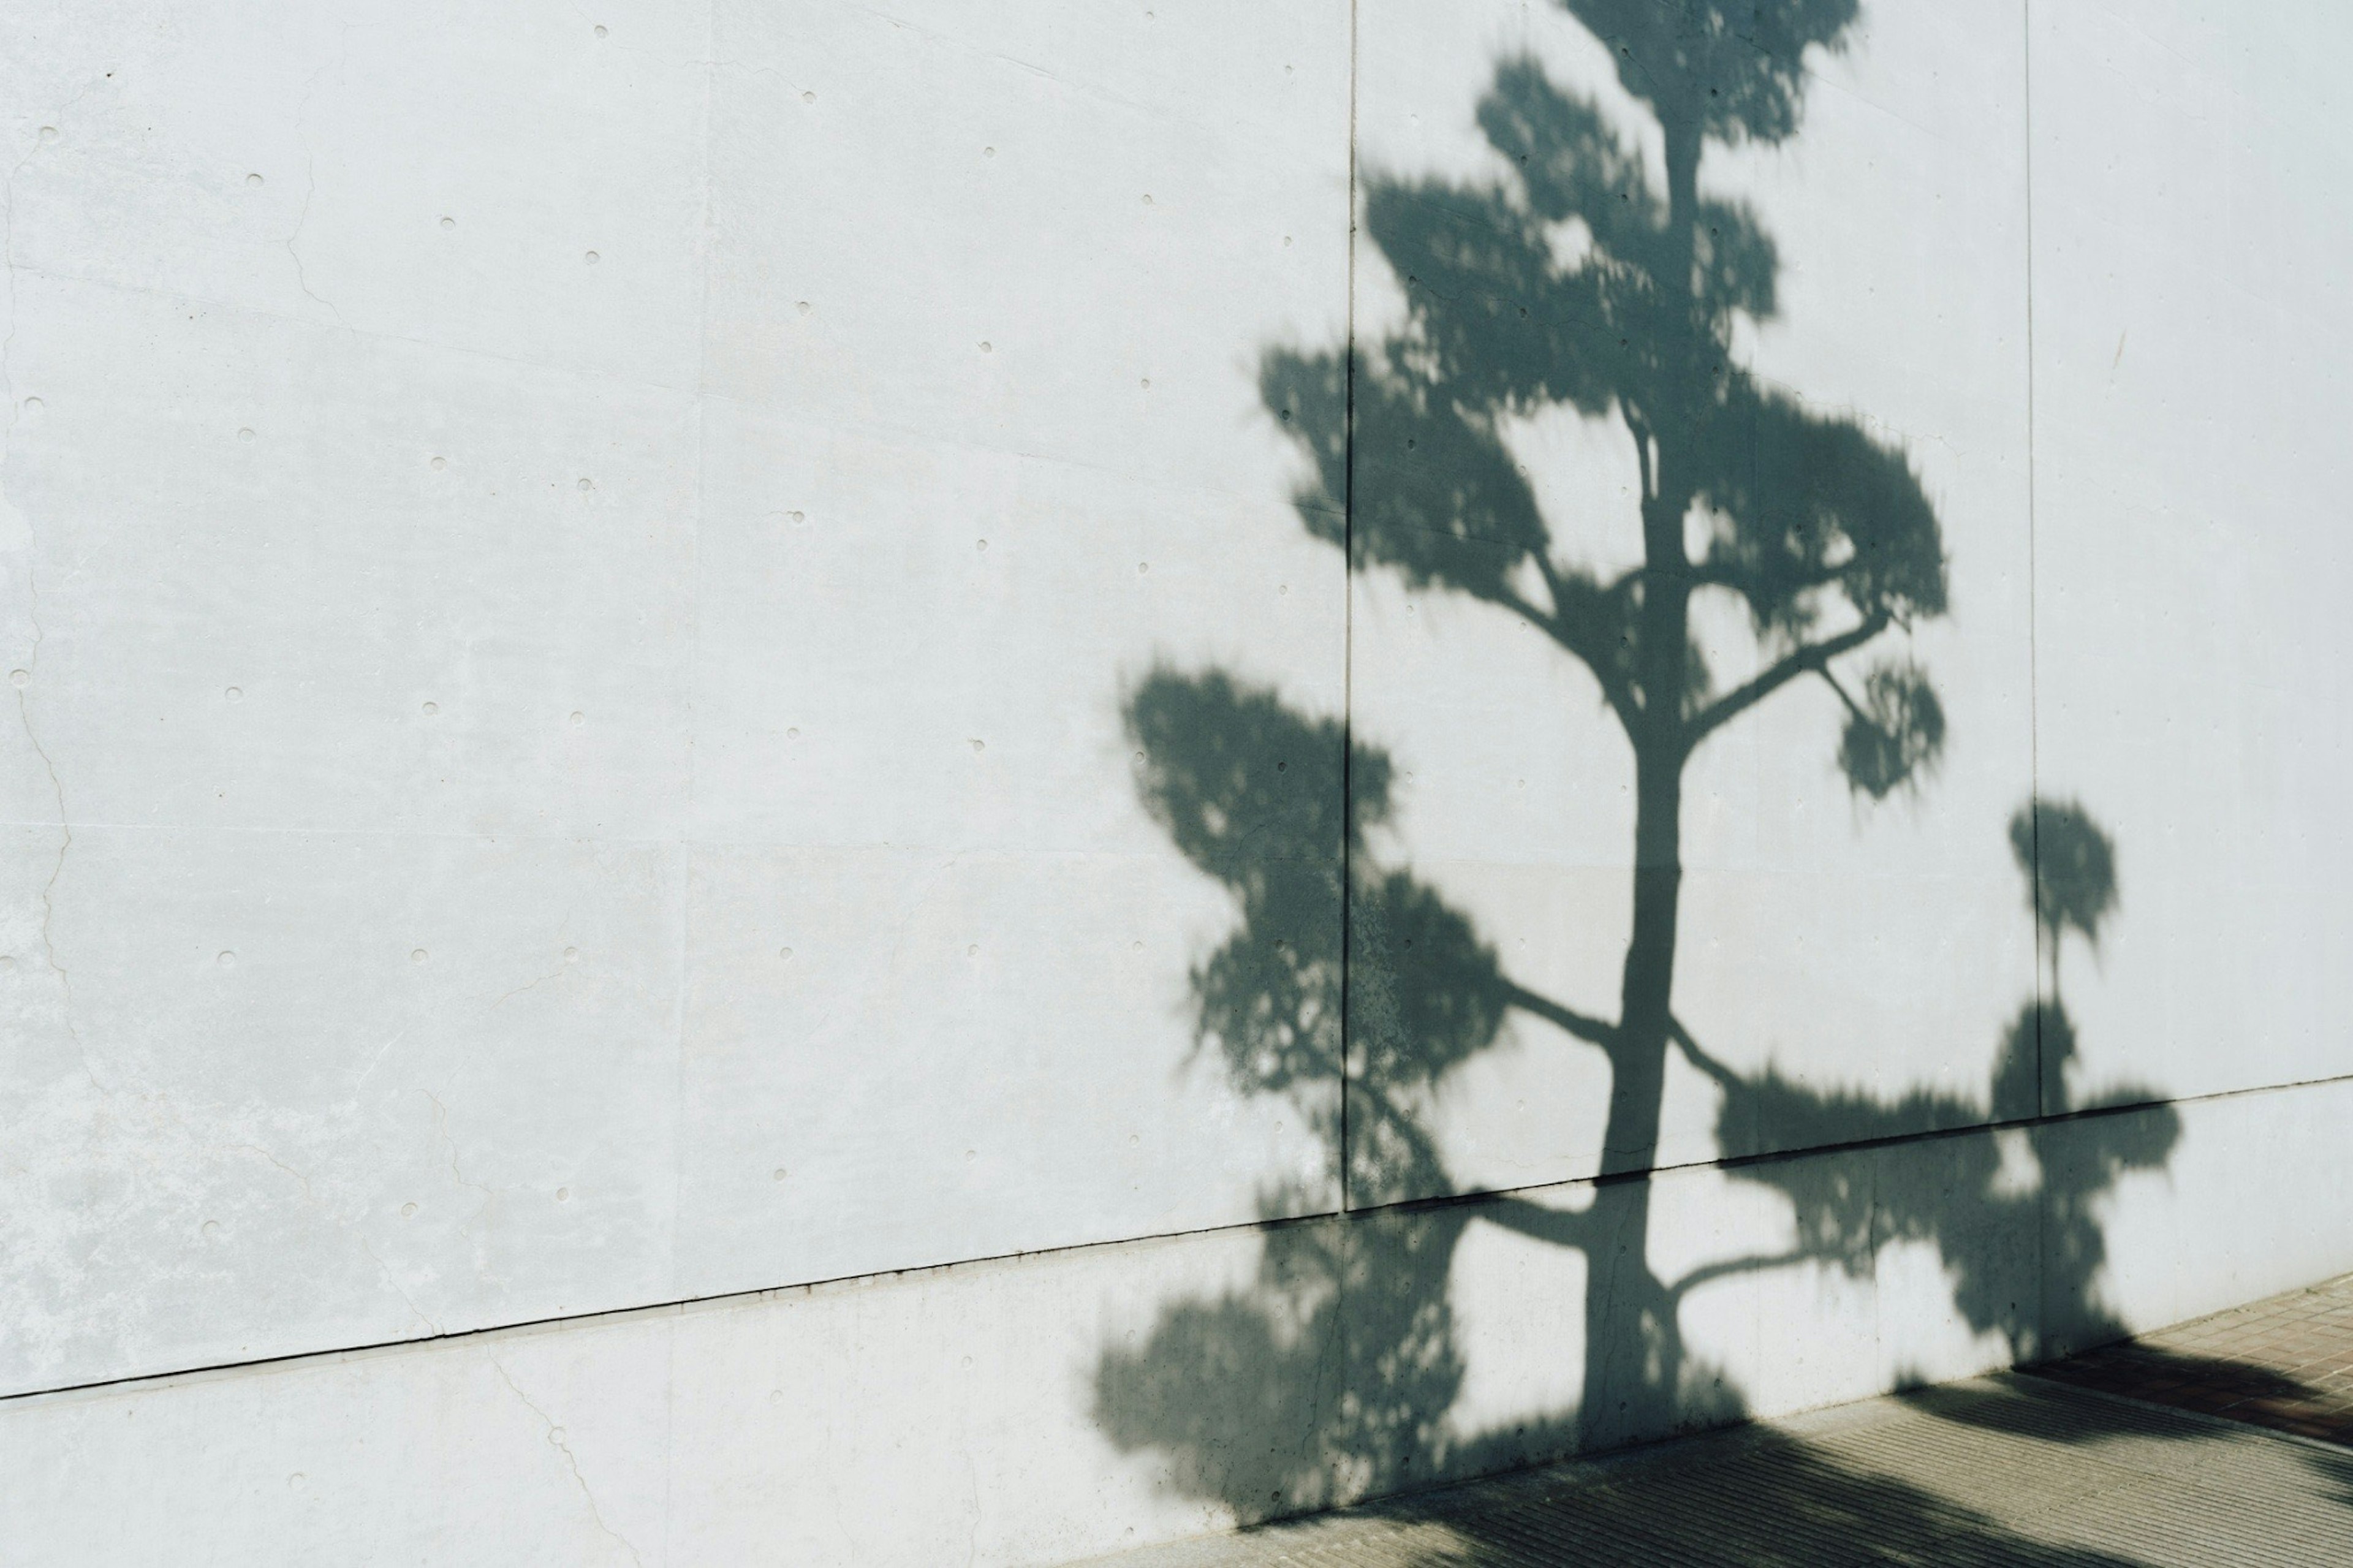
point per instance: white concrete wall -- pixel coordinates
(570, 576)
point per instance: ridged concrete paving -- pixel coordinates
(1998, 1470)
(2285, 1362)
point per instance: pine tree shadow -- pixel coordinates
(1578, 282)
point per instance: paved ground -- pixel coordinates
(2009, 1470)
(2285, 1363)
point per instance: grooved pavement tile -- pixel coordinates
(2285, 1362)
(1995, 1471)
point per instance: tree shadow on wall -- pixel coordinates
(1577, 281)
(1333, 1376)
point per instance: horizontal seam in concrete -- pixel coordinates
(730, 1298)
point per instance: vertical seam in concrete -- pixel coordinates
(2034, 698)
(1348, 636)
(2033, 604)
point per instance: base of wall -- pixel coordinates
(1068, 1404)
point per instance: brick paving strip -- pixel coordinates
(2285, 1362)
(2077, 1466)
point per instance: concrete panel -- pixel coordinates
(983, 453)
(353, 750)
(404, 612)
(995, 229)
(2193, 204)
(1839, 940)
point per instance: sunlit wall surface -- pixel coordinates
(829, 783)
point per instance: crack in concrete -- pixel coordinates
(258, 1149)
(32, 606)
(555, 1439)
(301, 279)
(553, 973)
(65, 841)
(311, 178)
(441, 1125)
(377, 1061)
(385, 1269)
